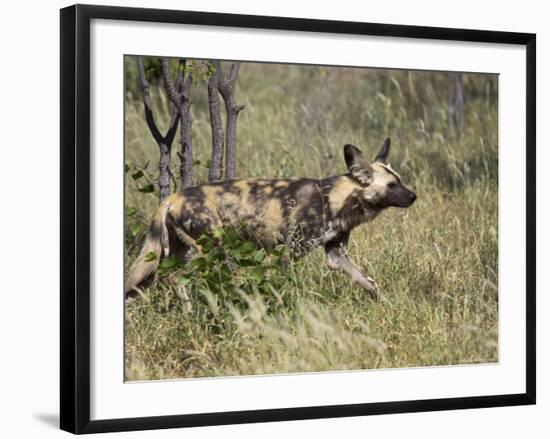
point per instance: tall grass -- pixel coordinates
(436, 263)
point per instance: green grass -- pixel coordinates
(436, 262)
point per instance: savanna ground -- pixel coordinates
(436, 263)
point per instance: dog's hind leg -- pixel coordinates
(338, 259)
(181, 239)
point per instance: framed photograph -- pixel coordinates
(268, 218)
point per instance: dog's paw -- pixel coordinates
(372, 282)
(373, 289)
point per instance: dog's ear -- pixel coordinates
(382, 155)
(358, 166)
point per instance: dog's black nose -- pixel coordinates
(413, 197)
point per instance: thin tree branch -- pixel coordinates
(147, 105)
(180, 99)
(173, 94)
(174, 120)
(186, 89)
(169, 138)
(180, 75)
(233, 74)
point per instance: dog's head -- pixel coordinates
(382, 186)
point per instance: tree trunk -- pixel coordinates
(232, 110)
(215, 170)
(186, 142)
(226, 87)
(164, 171)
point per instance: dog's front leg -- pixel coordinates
(338, 259)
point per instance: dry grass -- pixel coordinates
(436, 263)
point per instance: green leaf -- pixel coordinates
(217, 254)
(147, 189)
(218, 233)
(184, 280)
(257, 274)
(207, 246)
(137, 174)
(131, 211)
(230, 236)
(259, 255)
(247, 262)
(225, 273)
(135, 229)
(169, 263)
(203, 241)
(247, 247)
(198, 263)
(151, 256)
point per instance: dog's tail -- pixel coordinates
(146, 264)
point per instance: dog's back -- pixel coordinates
(271, 209)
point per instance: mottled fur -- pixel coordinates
(303, 213)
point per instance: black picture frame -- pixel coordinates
(75, 217)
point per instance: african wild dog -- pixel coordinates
(302, 212)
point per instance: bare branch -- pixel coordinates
(218, 68)
(186, 89)
(173, 94)
(144, 85)
(180, 99)
(227, 83)
(233, 74)
(169, 138)
(180, 75)
(174, 119)
(147, 105)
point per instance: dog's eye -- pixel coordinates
(392, 185)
